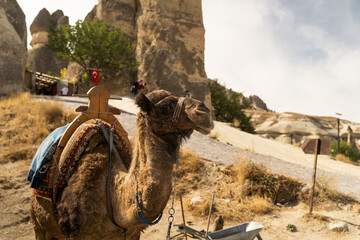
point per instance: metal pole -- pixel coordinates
(314, 176)
(338, 138)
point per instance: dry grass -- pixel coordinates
(214, 135)
(24, 124)
(255, 180)
(325, 191)
(244, 189)
(356, 208)
(314, 216)
(343, 158)
(189, 171)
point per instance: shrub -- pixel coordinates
(346, 149)
(227, 107)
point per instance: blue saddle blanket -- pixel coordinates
(43, 157)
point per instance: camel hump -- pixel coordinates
(85, 138)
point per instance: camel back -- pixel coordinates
(85, 138)
(97, 108)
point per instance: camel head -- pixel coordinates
(169, 114)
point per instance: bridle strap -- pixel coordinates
(177, 111)
(175, 117)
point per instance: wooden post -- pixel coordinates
(211, 206)
(314, 176)
(183, 215)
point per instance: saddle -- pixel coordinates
(80, 138)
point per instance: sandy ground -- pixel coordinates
(231, 145)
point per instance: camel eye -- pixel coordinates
(165, 109)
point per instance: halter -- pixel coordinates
(172, 120)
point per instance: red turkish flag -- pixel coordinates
(95, 75)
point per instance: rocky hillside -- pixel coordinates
(295, 127)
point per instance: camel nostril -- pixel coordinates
(202, 108)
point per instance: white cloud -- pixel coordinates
(284, 53)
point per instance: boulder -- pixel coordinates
(218, 223)
(12, 47)
(338, 226)
(197, 200)
(40, 58)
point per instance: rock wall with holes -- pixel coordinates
(40, 58)
(12, 47)
(169, 40)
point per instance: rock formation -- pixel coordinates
(40, 58)
(170, 45)
(296, 128)
(12, 46)
(254, 102)
(169, 40)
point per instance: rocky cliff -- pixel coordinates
(12, 46)
(296, 128)
(40, 58)
(169, 40)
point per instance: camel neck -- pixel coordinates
(155, 157)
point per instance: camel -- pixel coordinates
(80, 212)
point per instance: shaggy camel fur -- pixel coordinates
(81, 209)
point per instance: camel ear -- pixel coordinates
(143, 102)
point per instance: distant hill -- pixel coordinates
(298, 127)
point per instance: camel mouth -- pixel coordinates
(204, 131)
(206, 127)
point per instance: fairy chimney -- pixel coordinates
(169, 37)
(40, 58)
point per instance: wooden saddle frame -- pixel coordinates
(98, 108)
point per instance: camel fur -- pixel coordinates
(80, 212)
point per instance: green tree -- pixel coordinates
(93, 44)
(227, 107)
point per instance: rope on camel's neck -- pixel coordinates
(172, 209)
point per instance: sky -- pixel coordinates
(297, 55)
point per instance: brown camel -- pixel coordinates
(80, 212)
